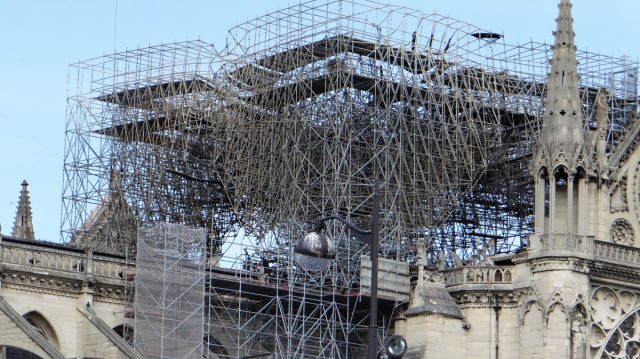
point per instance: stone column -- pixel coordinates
(582, 205)
(539, 204)
(552, 206)
(86, 296)
(570, 180)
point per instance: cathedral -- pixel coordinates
(570, 290)
(573, 292)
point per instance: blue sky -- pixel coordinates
(41, 38)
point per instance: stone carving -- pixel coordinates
(618, 196)
(544, 264)
(602, 111)
(560, 158)
(622, 341)
(629, 256)
(433, 276)
(605, 307)
(591, 171)
(622, 232)
(578, 337)
(616, 319)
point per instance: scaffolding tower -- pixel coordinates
(294, 120)
(169, 292)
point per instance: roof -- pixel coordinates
(433, 298)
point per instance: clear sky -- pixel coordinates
(41, 38)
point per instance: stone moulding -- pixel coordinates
(64, 271)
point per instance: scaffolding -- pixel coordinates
(292, 121)
(169, 295)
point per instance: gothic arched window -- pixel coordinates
(42, 326)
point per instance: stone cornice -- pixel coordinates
(551, 263)
(61, 283)
(111, 294)
(614, 271)
(62, 271)
(41, 284)
(64, 287)
(486, 299)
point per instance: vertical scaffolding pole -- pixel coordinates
(169, 298)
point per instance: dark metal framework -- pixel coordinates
(294, 120)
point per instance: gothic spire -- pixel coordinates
(563, 120)
(23, 225)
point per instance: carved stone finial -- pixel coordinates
(421, 260)
(563, 120)
(23, 224)
(442, 260)
(457, 261)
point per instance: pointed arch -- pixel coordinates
(555, 303)
(12, 352)
(531, 303)
(531, 315)
(42, 325)
(560, 159)
(543, 172)
(561, 171)
(540, 161)
(579, 308)
(556, 327)
(125, 332)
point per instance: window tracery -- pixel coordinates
(615, 331)
(42, 326)
(622, 232)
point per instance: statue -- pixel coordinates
(602, 110)
(578, 337)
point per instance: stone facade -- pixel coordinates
(583, 304)
(76, 298)
(572, 292)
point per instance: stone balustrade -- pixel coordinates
(44, 256)
(561, 242)
(618, 253)
(111, 267)
(478, 275)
